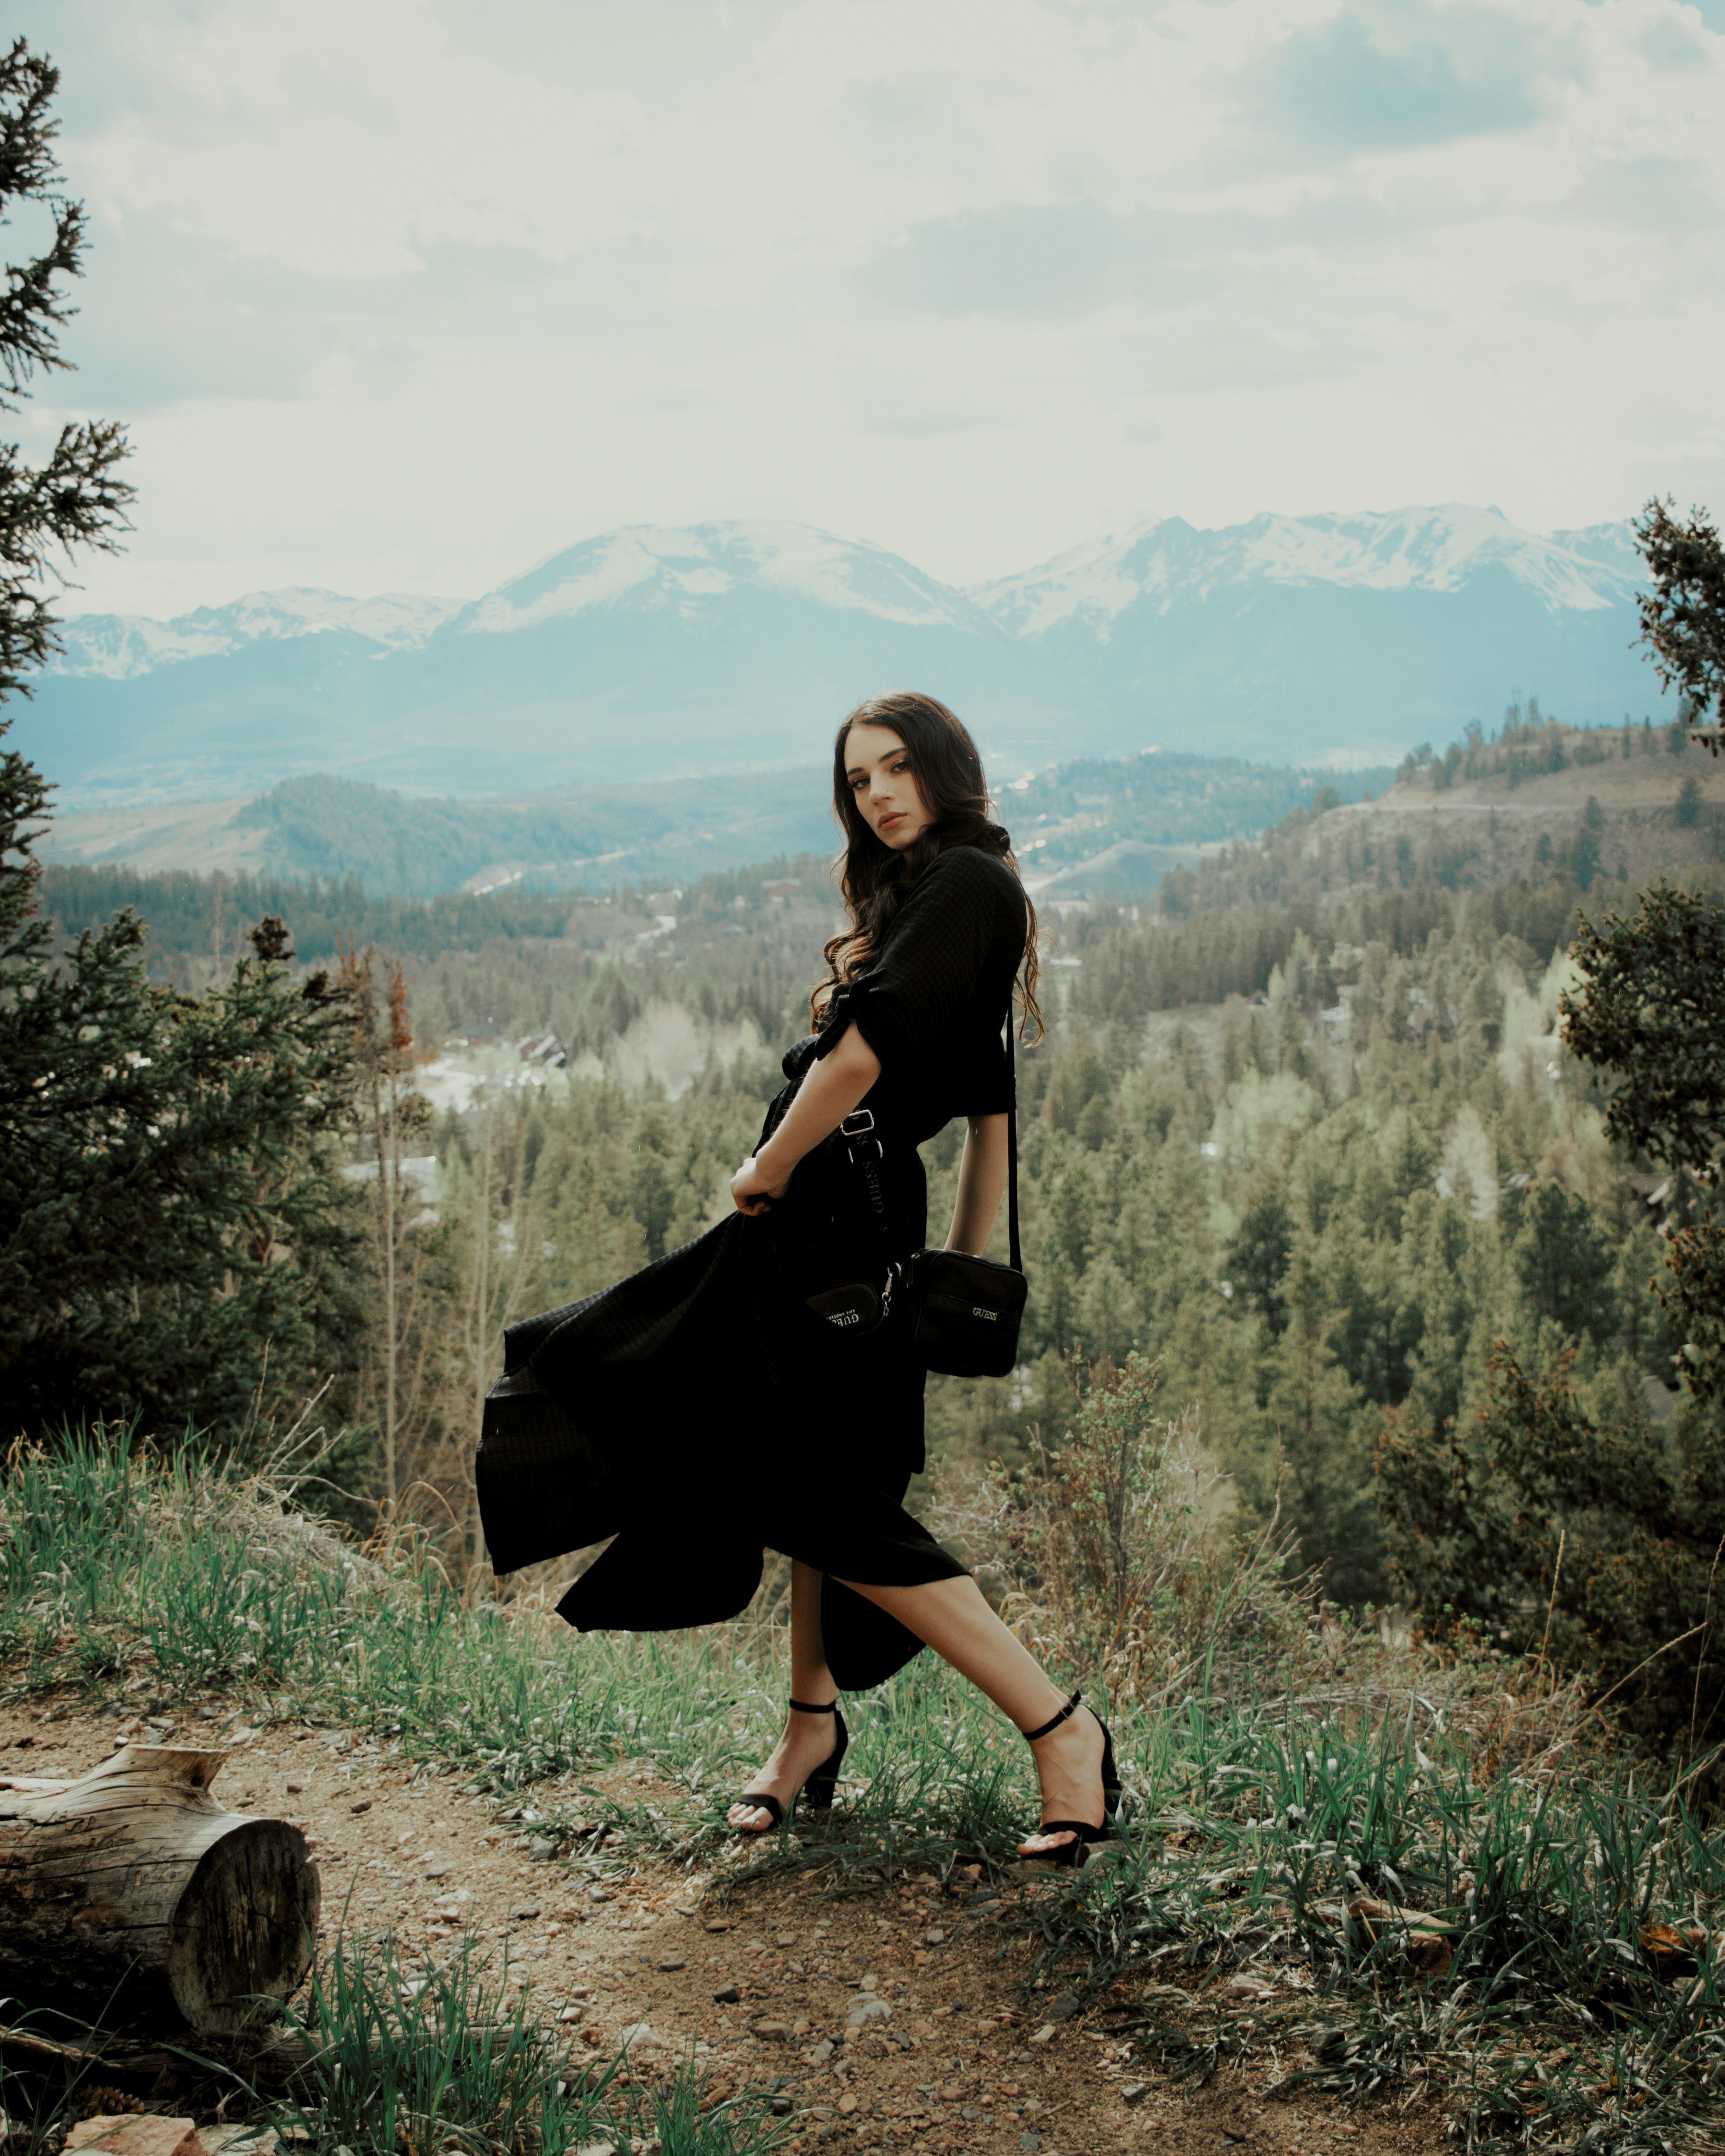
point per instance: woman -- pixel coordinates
(700, 1411)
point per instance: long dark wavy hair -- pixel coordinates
(875, 880)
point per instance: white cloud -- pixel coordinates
(403, 294)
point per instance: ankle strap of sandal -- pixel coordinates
(1054, 1722)
(802, 1706)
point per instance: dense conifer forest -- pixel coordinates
(1304, 1133)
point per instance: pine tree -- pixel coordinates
(175, 1234)
(75, 499)
(1553, 1525)
(1683, 616)
(174, 1229)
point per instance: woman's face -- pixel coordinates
(877, 769)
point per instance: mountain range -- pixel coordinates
(652, 652)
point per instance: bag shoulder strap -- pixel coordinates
(1011, 1148)
(864, 1147)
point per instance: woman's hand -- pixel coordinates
(753, 1190)
(825, 1098)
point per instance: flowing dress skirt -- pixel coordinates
(700, 1414)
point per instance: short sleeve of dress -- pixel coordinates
(961, 929)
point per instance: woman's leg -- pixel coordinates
(809, 1738)
(953, 1617)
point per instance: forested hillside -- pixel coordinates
(1304, 1130)
(1116, 824)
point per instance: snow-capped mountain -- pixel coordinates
(706, 568)
(649, 651)
(1612, 545)
(1166, 561)
(119, 645)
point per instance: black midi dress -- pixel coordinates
(697, 1411)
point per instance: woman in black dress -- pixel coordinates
(699, 1411)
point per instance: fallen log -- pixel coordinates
(132, 1898)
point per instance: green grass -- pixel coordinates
(437, 2060)
(443, 2060)
(1556, 2024)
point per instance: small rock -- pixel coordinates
(935, 1935)
(869, 2010)
(772, 2032)
(541, 1850)
(672, 1961)
(1063, 2006)
(597, 2149)
(1134, 2091)
(295, 1789)
(1029, 2141)
(1248, 1988)
(719, 1924)
(1045, 2034)
(571, 2013)
(728, 1994)
(527, 1910)
(785, 1939)
(597, 1894)
(818, 2054)
(438, 1871)
(361, 1804)
(641, 2034)
(848, 2103)
(968, 2112)
(780, 2106)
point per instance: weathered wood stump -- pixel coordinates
(131, 1897)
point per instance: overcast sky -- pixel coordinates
(404, 294)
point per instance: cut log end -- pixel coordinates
(135, 1876)
(242, 1935)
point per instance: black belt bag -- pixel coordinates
(965, 1311)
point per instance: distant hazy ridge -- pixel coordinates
(1084, 829)
(649, 652)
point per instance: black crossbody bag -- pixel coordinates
(964, 1311)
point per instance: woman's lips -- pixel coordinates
(897, 816)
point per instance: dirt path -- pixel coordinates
(893, 2020)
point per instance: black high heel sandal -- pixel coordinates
(817, 1791)
(1082, 1832)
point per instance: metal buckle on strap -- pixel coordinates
(858, 1123)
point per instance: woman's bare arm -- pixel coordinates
(982, 1179)
(827, 1096)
